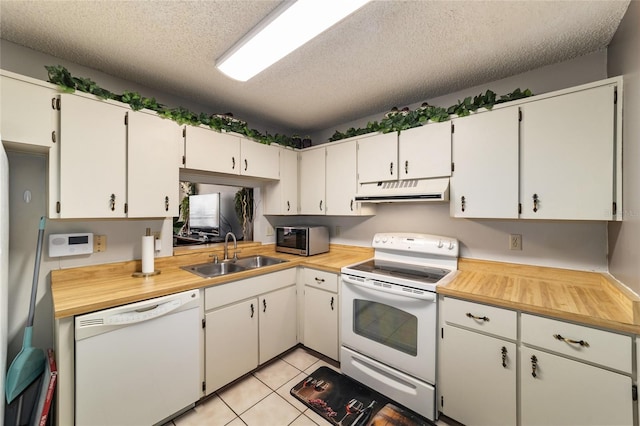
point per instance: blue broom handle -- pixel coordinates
(36, 273)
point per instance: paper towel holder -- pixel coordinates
(146, 274)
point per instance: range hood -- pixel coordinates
(404, 191)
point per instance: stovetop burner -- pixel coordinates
(424, 274)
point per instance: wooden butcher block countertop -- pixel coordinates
(587, 297)
(81, 290)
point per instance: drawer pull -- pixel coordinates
(470, 315)
(504, 357)
(534, 365)
(582, 343)
(319, 280)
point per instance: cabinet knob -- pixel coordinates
(534, 365)
(470, 315)
(582, 343)
(504, 356)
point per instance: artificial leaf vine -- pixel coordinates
(393, 121)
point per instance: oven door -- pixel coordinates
(391, 325)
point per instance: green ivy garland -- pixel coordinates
(394, 121)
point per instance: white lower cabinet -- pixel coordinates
(247, 323)
(321, 310)
(477, 370)
(568, 392)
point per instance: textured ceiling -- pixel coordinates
(388, 53)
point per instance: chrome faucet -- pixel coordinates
(226, 246)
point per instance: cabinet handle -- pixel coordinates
(535, 202)
(166, 204)
(264, 305)
(252, 310)
(319, 280)
(320, 205)
(332, 303)
(246, 164)
(391, 168)
(582, 343)
(288, 206)
(463, 201)
(406, 167)
(504, 357)
(233, 163)
(470, 315)
(534, 365)
(53, 136)
(112, 202)
(53, 103)
(351, 205)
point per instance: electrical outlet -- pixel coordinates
(515, 242)
(269, 230)
(99, 243)
(338, 231)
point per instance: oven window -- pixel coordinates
(386, 325)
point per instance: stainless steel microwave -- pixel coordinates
(302, 240)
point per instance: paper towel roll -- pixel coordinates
(147, 254)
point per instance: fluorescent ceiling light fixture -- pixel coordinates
(284, 30)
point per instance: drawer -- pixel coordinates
(476, 316)
(234, 291)
(606, 348)
(320, 279)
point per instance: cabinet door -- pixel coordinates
(281, 197)
(231, 343)
(425, 152)
(212, 151)
(378, 158)
(341, 179)
(567, 156)
(278, 331)
(478, 378)
(312, 181)
(259, 160)
(154, 151)
(321, 321)
(484, 183)
(567, 392)
(27, 113)
(93, 158)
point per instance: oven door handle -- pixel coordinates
(368, 284)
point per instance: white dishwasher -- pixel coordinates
(140, 363)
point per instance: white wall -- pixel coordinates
(624, 238)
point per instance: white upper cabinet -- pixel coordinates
(212, 151)
(93, 158)
(425, 152)
(312, 181)
(341, 181)
(421, 152)
(28, 111)
(154, 156)
(259, 160)
(378, 158)
(281, 197)
(484, 183)
(567, 156)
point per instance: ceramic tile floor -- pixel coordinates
(262, 398)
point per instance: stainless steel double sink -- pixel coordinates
(226, 267)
